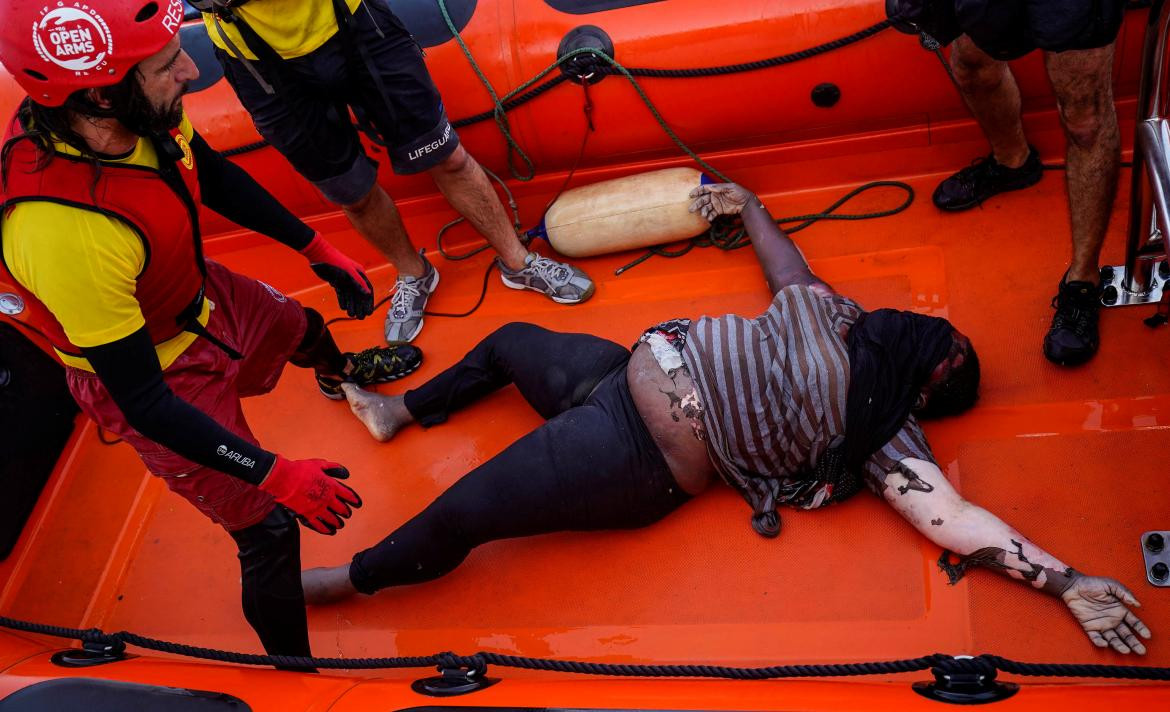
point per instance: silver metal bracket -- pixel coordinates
(1156, 551)
(1114, 293)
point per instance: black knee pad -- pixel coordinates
(317, 350)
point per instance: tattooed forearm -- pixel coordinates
(913, 481)
(1014, 563)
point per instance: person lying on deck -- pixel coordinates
(761, 402)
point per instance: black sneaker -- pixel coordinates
(984, 178)
(380, 364)
(1072, 338)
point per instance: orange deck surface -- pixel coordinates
(1073, 458)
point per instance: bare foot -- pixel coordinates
(382, 415)
(326, 585)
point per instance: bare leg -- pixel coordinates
(1083, 81)
(382, 415)
(467, 188)
(326, 585)
(991, 93)
(376, 218)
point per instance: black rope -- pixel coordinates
(656, 73)
(985, 664)
(1125, 672)
(477, 662)
(712, 671)
(482, 295)
(759, 64)
(451, 315)
(513, 102)
(731, 235)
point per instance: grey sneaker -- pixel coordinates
(563, 283)
(404, 319)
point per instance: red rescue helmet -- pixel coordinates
(56, 47)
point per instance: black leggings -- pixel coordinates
(270, 573)
(592, 466)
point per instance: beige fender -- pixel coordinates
(625, 213)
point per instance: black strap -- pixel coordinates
(198, 329)
(165, 148)
(268, 57)
(345, 27)
(273, 63)
(189, 320)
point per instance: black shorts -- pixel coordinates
(1009, 29)
(307, 119)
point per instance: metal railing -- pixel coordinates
(1145, 272)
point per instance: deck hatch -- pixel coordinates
(114, 696)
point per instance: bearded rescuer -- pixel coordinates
(102, 174)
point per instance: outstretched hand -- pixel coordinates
(312, 490)
(355, 294)
(712, 201)
(1099, 605)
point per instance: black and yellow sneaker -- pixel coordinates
(380, 364)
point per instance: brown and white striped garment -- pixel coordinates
(773, 391)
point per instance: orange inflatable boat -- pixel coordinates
(1074, 457)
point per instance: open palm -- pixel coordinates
(717, 199)
(1099, 605)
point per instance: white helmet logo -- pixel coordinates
(74, 38)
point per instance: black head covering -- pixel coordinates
(891, 356)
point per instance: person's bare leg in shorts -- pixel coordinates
(463, 183)
(377, 219)
(466, 187)
(991, 93)
(1083, 81)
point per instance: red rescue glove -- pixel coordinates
(310, 488)
(355, 294)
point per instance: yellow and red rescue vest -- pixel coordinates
(159, 205)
